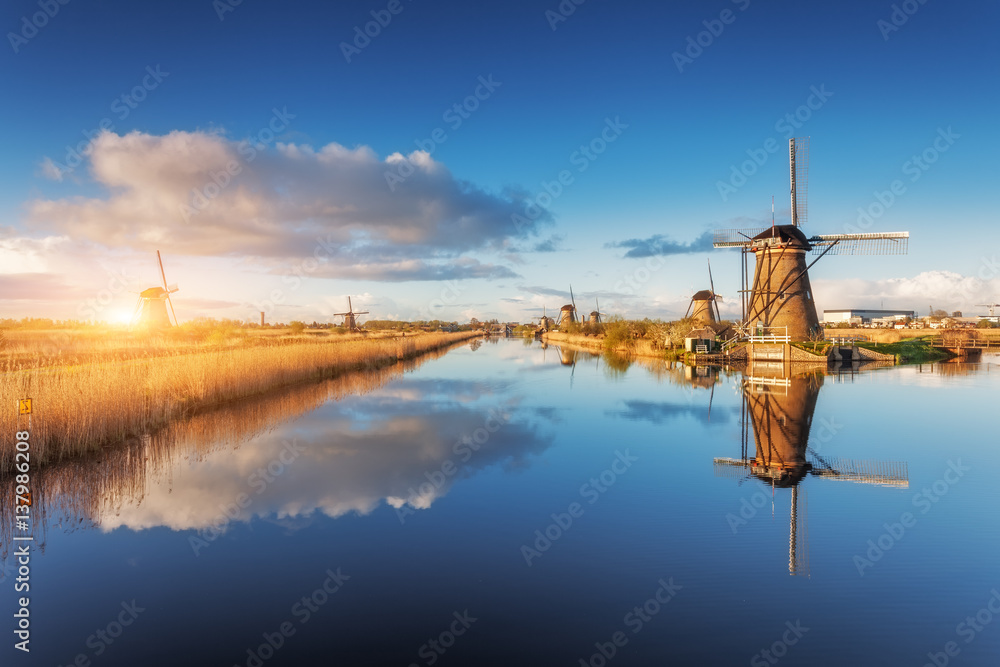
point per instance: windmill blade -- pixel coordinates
(879, 473)
(872, 243)
(734, 468)
(715, 302)
(735, 238)
(798, 170)
(350, 308)
(572, 300)
(711, 397)
(165, 287)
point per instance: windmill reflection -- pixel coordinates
(778, 408)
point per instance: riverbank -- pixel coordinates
(80, 408)
(635, 348)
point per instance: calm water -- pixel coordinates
(512, 505)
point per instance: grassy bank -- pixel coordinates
(80, 407)
(910, 351)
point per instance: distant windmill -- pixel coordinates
(151, 308)
(704, 305)
(544, 321)
(567, 314)
(780, 295)
(595, 315)
(350, 317)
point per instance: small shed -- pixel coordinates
(700, 340)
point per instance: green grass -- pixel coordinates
(910, 351)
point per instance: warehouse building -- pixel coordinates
(863, 315)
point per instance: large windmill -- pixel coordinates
(567, 314)
(780, 411)
(780, 296)
(151, 308)
(704, 306)
(350, 317)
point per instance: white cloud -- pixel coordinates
(176, 192)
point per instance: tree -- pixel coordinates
(939, 314)
(297, 327)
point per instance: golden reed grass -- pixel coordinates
(78, 492)
(83, 407)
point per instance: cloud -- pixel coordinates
(942, 289)
(178, 193)
(658, 244)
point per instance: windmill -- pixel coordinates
(595, 315)
(151, 308)
(780, 295)
(780, 412)
(704, 305)
(567, 314)
(350, 317)
(544, 321)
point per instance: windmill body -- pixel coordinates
(779, 300)
(781, 296)
(151, 308)
(351, 316)
(704, 306)
(567, 314)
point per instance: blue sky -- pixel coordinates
(879, 97)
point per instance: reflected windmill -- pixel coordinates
(779, 411)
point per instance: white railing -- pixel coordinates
(764, 335)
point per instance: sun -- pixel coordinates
(121, 317)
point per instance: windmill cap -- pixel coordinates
(787, 233)
(152, 293)
(704, 295)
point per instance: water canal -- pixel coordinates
(507, 504)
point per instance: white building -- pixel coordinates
(863, 315)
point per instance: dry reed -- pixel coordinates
(79, 408)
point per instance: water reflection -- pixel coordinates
(346, 444)
(778, 407)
